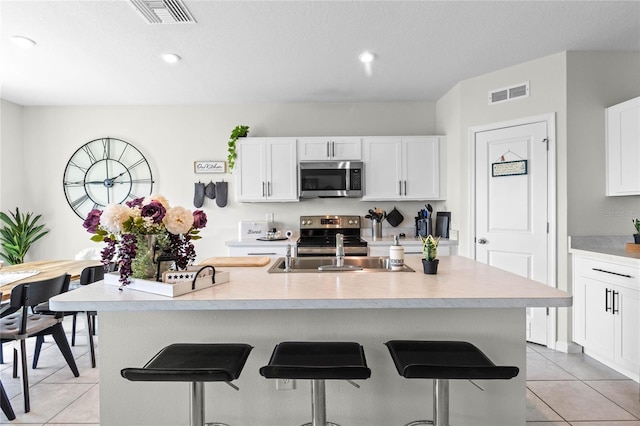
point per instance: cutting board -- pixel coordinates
(237, 261)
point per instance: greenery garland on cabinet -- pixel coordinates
(238, 132)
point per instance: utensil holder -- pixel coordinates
(376, 229)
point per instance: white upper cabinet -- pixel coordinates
(329, 148)
(266, 170)
(623, 148)
(404, 168)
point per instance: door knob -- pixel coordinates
(482, 241)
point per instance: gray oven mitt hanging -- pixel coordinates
(221, 194)
(210, 190)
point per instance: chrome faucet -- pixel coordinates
(339, 250)
(287, 259)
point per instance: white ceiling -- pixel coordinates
(104, 53)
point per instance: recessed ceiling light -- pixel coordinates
(23, 41)
(170, 58)
(367, 57)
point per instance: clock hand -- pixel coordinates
(116, 177)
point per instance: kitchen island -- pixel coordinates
(465, 301)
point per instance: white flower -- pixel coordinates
(178, 220)
(114, 216)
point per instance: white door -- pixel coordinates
(511, 207)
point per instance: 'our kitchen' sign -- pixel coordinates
(210, 166)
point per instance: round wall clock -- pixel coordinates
(105, 171)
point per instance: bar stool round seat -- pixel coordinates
(443, 361)
(196, 363)
(317, 361)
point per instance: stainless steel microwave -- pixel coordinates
(331, 179)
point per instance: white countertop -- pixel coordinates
(460, 283)
(606, 248)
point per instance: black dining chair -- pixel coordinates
(88, 275)
(19, 323)
(5, 405)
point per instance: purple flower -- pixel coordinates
(92, 221)
(199, 219)
(135, 203)
(154, 210)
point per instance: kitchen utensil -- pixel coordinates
(394, 217)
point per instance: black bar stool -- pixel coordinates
(196, 363)
(442, 361)
(317, 361)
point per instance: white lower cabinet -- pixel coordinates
(606, 319)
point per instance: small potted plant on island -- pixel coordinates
(430, 253)
(636, 236)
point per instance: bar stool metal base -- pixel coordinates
(319, 405)
(440, 405)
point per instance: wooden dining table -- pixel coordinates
(46, 269)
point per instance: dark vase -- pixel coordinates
(430, 266)
(636, 238)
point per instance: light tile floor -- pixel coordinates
(562, 389)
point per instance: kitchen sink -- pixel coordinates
(328, 264)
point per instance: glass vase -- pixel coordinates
(143, 265)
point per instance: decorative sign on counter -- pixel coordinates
(509, 168)
(210, 166)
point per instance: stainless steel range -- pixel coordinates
(318, 236)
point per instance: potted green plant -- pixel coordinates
(636, 236)
(430, 254)
(18, 234)
(238, 132)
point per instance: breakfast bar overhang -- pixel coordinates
(466, 300)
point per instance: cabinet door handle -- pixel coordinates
(405, 187)
(263, 192)
(399, 187)
(607, 308)
(333, 149)
(615, 294)
(328, 152)
(268, 189)
(612, 273)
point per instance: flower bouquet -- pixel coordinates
(141, 229)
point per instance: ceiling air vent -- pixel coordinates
(164, 11)
(509, 93)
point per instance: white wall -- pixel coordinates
(173, 137)
(596, 80)
(11, 156)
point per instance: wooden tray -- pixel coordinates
(168, 289)
(246, 261)
(633, 248)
